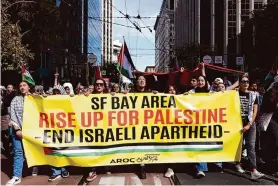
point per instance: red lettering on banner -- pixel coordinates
(71, 119)
(168, 117)
(111, 117)
(222, 115)
(52, 122)
(159, 117)
(177, 116)
(148, 114)
(133, 117)
(122, 118)
(212, 116)
(61, 117)
(187, 114)
(43, 119)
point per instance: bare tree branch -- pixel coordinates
(17, 2)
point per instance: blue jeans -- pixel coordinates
(18, 155)
(57, 170)
(204, 166)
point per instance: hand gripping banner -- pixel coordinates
(103, 130)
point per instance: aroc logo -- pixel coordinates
(122, 160)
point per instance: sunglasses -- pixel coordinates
(99, 84)
(245, 82)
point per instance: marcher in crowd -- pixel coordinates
(16, 122)
(249, 108)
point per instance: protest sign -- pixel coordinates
(101, 130)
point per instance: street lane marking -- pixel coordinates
(135, 180)
(112, 180)
(157, 180)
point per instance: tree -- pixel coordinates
(189, 55)
(13, 51)
(26, 26)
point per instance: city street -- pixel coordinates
(125, 176)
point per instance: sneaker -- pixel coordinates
(65, 174)
(256, 175)
(54, 177)
(239, 169)
(169, 173)
(91, 177)
(200, 174)
(244, 153)
(14, 181)
(35, 171)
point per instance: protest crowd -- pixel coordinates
(259, 114)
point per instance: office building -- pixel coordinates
(95, 30)
(164, 36)
(215, 23)
(107, 31)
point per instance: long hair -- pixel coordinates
(105, 90)
(202, 89)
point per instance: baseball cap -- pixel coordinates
(219, 80)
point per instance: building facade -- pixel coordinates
(215, 23)
(164, 36)
(107, 31)
(95, 30)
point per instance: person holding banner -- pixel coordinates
(249, 108)
(17, 106)
(100, 87)
(141, 87)
(57, 172)
(203, 87)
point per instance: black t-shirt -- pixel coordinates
(244, 102)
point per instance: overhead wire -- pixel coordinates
(127, 25)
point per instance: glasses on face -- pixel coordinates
(99, 84)
(245, 82)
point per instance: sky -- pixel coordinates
(134, 39)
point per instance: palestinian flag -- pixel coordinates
(125, 65)
(26, 76)
(79, 151)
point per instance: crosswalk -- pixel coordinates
(131, 179)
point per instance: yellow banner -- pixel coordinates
(101, 130)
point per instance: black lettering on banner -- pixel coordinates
(69, 136)
(133, 100)
(184, 129)
(115, 102)
(193, 132)
(46, 137)
(218, 133)
(58, 136)
(124, 103)
(203, 131)
(81, 136)
(109, 135)
(175, 132)
(154, 101)
(119, 134)
(145, 102)
(99, 134)
(89, 137)
(145, 133)
(154, 130)
(209, 132)
(95, 105)
(172, 102)
(165, 133)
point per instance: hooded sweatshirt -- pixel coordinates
(70, 87)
